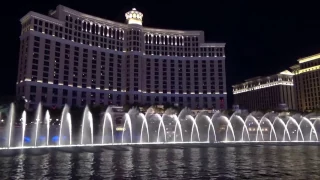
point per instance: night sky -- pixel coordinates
(262, 38)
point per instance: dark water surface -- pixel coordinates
(243, 162)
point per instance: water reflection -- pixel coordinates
(61, 165)
(18, 167)
(106, 167)
(177, 163)
(122, 163)
(204, 159)
(32, 167)
(258, 162)
(186, 160)
(196, 162)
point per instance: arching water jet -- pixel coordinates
(271, 126)
(193, 125)
(175, 128)
(258, 128)
(161, 124)
(87, 118)
(230, 126)
(107, 116)
(285, 128)
(304, 119)
(243, 123)
(127, 121)
(297, 125)
(212, 126)
(145, 123)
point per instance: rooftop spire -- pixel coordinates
(134, 17)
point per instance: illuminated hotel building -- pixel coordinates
(69, 57)
(265, 92)
(307, 82)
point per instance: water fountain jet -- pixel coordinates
(194, 124)
(24, 123)
(65, 118)
(87, 118)
(107, 116)
(10, 124)
(47, 120)
(127, 121)
(145, 123)
(161, 124)
(38, 119)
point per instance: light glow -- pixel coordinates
(309, 58)
(261, 86)
(313, 68)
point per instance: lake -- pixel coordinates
(223, 162)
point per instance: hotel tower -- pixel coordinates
(68, 57)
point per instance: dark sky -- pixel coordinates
(262, 38)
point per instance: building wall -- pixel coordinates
(78, 59)
(266, 98)
(265, 92)
(307, 83)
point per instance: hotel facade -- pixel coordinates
(69, 57)
(266, 92)
(307, 82)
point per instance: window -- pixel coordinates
(33, 89)
(44, 90)
(55, 91)
(65, 92)
(74, 101)
(36, 38)
(54, 100)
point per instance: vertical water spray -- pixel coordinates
(38, 119)
(107, 116)
(281, 125)
(47, 120)
(11, 121)
(87, 117)
(91, 125)
(84, 117)
(64, 116)
(70, 127)
(24, 121)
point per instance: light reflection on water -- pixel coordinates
(259, 162)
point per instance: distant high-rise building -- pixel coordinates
(69, 57)
(265, 92)
(307, 82)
